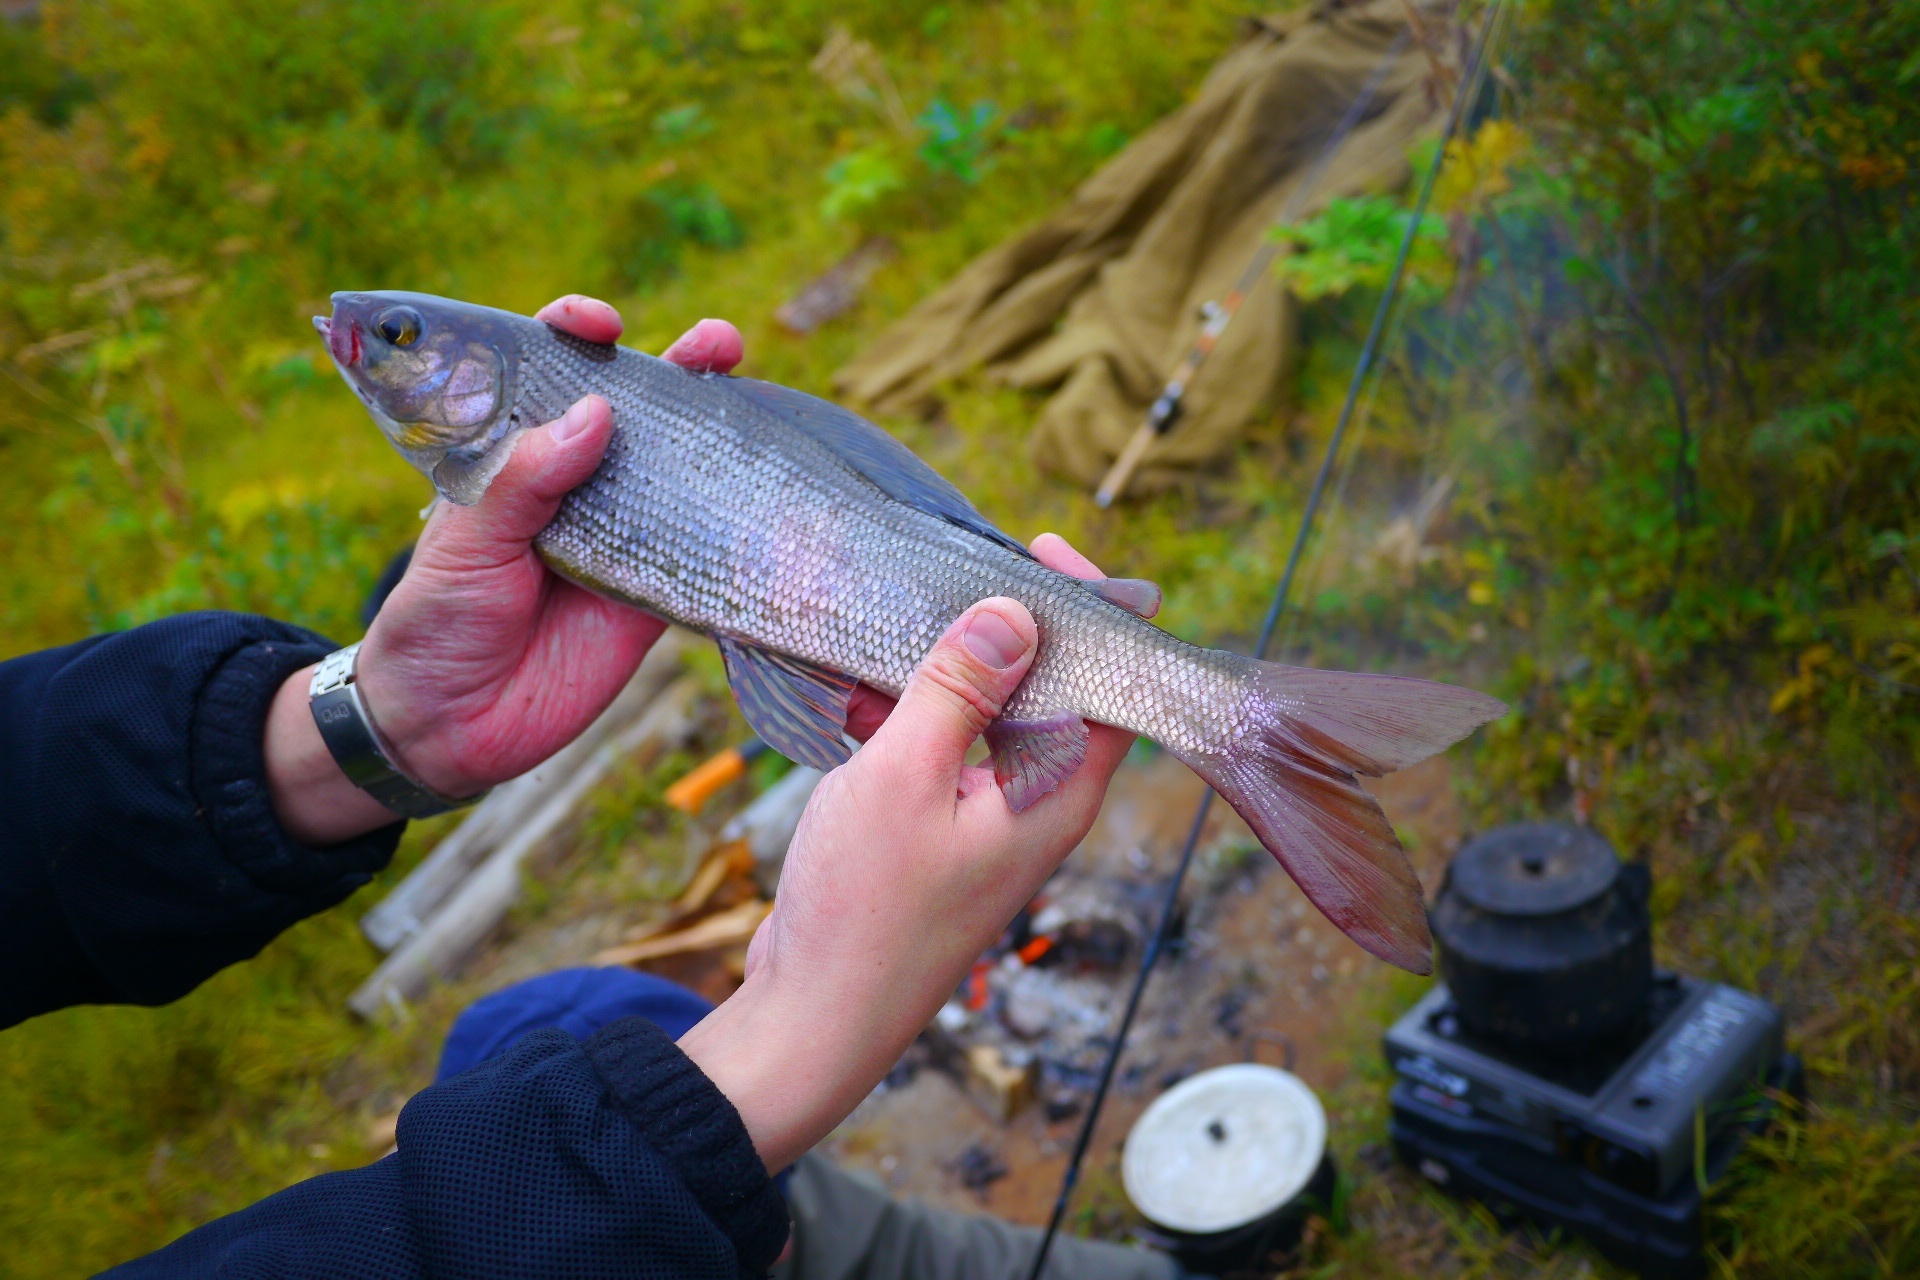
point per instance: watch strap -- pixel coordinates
(346, 726)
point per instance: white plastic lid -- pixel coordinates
(1224, 1148)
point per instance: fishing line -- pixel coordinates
(1469, 86)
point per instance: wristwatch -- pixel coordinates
(363, 755)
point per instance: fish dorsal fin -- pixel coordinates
(892, 467)
(798, 709)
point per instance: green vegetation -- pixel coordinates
(1660, 348)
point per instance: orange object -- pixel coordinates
(693, 790)
(977, 987)
(1035, 949)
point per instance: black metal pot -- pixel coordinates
(1545, 939)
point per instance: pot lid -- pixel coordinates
(1534, 869)
(1224, 1148)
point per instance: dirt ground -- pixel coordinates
(1262, 974)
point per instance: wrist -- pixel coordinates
(365, 754)
(794, 1062)
(315, 802)
(412, 737)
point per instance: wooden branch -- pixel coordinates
(404, 911)
(767, 825)
(722, 929)
(733, 857)
(483, 899)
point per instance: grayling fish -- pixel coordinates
(820, 552)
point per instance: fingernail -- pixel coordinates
(571, 423)
(992, 640)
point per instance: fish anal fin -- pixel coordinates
(797, 708)
(1137, 596)
(1033, 757)
(889, 465)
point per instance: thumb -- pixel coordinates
(544, 467)
(960, 686)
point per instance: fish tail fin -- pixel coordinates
(1291, 776)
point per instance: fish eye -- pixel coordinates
(400, 326)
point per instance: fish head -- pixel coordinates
(437, 376)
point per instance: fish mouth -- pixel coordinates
(343, 340)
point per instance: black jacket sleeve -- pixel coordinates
(139, 852)
(612, 1158)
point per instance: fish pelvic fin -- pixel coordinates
(1292, 776)
(1033, 757)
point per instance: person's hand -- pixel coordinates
(483, 662)
(906, 866)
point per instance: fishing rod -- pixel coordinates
(1218, 315)
(1469, 87)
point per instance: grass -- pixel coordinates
(187, 451)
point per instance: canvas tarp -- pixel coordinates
(1102, 299)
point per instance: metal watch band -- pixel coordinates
(348, 730)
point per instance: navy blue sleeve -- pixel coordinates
(612, 1158)
(139, 852)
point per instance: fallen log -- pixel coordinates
(404, 912)
(485, 896)
(767, 825)
(833, 294)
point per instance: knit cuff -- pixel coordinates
(685, 1118)
(228, 746)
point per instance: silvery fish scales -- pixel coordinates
(820, 552)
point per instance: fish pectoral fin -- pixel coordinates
(1033, 757)
(1136, 595)
(797, 708)
(462, 478)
